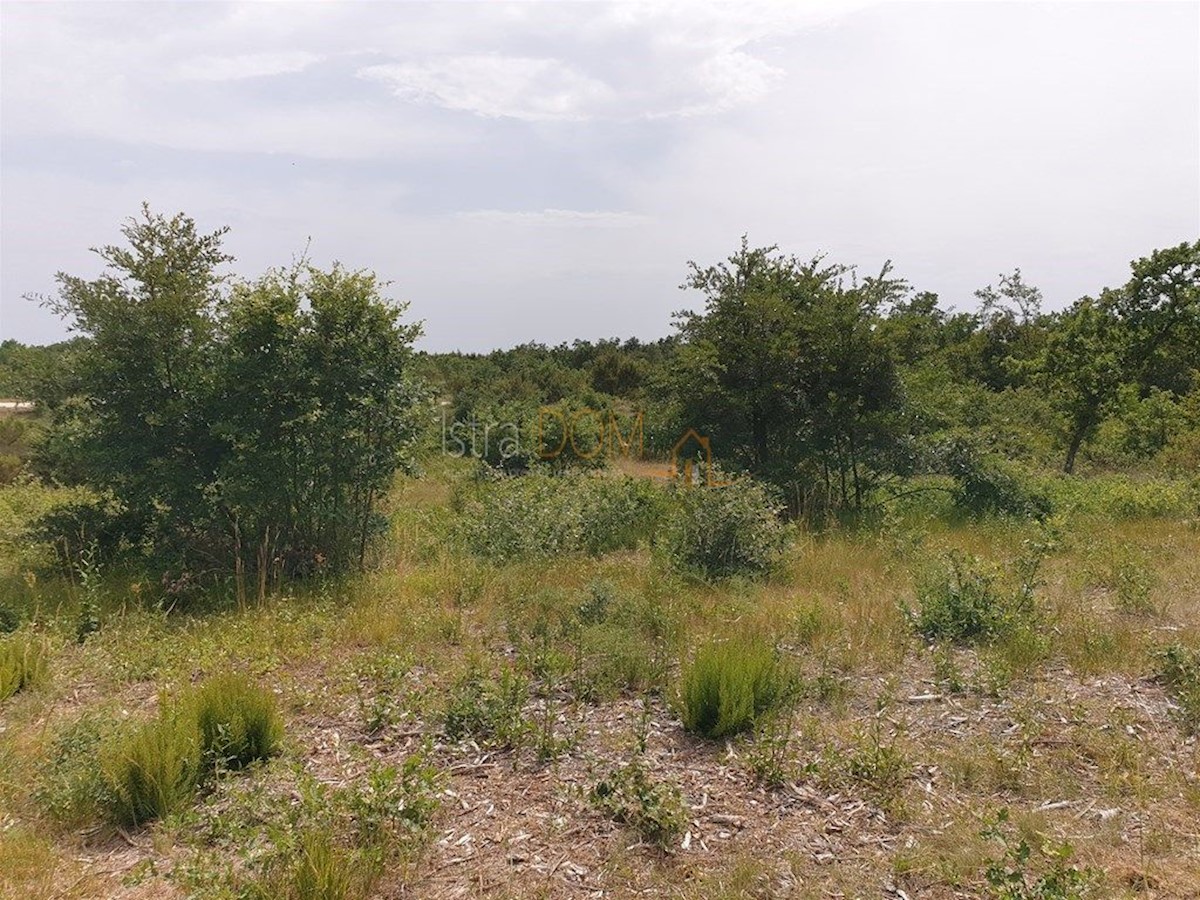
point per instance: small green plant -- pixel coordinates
(153, 770)
(396, 804)
(729, 685)
(654, 809)
(770, 755)
(1012, 876)
(490, 710)
(946, 671)
(1179, 672)
(22, 663)
(876, 761)
(70, 788)
(88, 570)
(238, 722)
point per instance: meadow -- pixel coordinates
(532, 690)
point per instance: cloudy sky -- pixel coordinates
(543, 171)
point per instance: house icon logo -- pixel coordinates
(692, 450)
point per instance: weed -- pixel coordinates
(490, 710)
(1179, 672)
(770, 754)
(654, 809)
(70, 787)
(1011, 877)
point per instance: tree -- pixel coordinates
(250, 429)
(786, 369)
(1082, 367)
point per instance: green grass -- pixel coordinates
(22, 663)
(154, 769)
(238, 722)
(728, 686)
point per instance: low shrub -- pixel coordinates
(654, 809)
(489, 710)
(719, 531)
(238, 722)
(539, 515)
(153, 770)
(729, 685)
(967, 601)
(22, 663)
(1179, 673)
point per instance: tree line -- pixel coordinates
(253, 425)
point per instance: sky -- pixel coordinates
(545, 171)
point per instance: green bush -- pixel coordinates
(539, 515)
(729, 686)
(967, 601)
(22, 663)
(987, 486)
(70, 787)
(154, 770)
(1179, 672)
(629, 795)
(718, 531)
(238, 722)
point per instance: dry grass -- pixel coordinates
(898, 754)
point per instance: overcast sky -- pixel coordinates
(544, 171)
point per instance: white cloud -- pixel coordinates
(250, 65)
(496, 86)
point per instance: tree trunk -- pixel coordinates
(1076, 443)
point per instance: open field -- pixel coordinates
(518, 687)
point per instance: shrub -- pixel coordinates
(967, 601)
(983, 485)
(652, 808)
(540, 515)
(153, 770)
(1179, 672)
(1013, 875)
(22, 664)
(719, 531)
(238, 722)
(489, 710)
(729, 685)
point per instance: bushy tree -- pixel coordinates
(787, 372)
(250, 428)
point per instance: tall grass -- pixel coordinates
(238, 722)
(728, 686)
(154, 770)
(22, 663)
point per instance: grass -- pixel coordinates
(237, 720)
(23, 663)
(729, 686)
(464, 663)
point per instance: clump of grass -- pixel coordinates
(238, 722)
(319, 868)
(1179, 672)
(153, 770)
(729, 686)
(22, 664)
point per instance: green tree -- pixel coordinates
(1082, 368)
(250, 429)
(786, 369)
